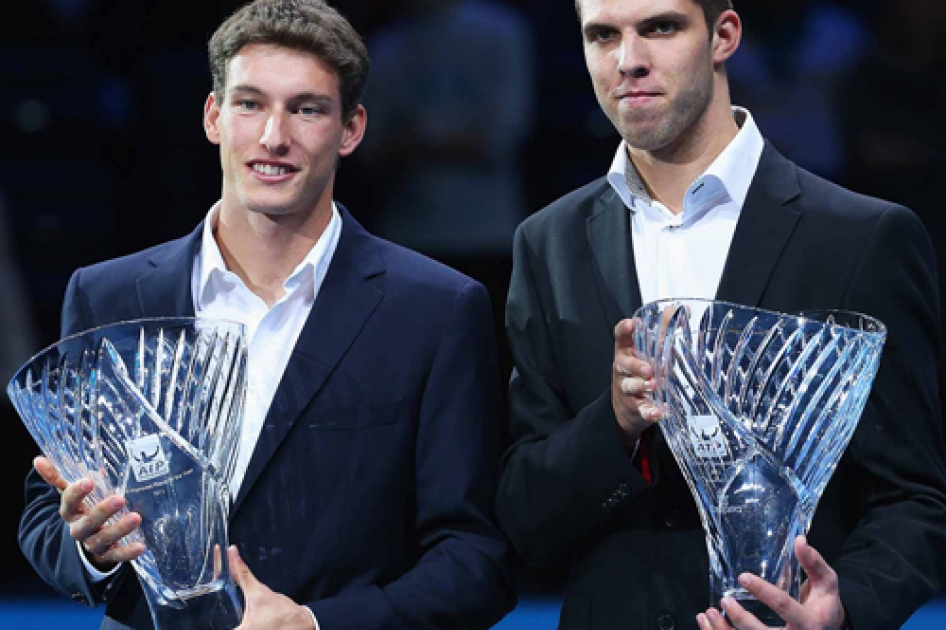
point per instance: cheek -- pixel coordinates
(243, 139)
(238, 134)
(597, 64)
(695, 67)
(601, 80)
(322, 145)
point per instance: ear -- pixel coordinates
(211, 118)
(354, 131)
(726, 36)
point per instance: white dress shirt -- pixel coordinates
(682, 256)
(271, 333)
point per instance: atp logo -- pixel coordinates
(147, 458)
(706, 437)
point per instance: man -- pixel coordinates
(366, 472)
(697, 205)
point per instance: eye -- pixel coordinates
(663, 28)
(247, 105)
(602, 35)
(311, 110)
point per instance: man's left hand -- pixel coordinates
(265, 609)
(820, 607)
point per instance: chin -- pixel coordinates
(644, 140)
(271, 208)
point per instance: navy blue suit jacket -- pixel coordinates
(369, 495)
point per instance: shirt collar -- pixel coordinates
(213, 275)
(726, 179)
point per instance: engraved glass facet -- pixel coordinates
(151, 410)
(758, 409)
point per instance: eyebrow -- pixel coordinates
(595, 27)
(247, 89)
(323, 99)
(660, 18)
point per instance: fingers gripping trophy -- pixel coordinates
(757, 408)
(150, 411)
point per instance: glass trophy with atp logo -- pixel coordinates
(151, 410)
(758, 408)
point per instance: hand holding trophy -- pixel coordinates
(758, 408)
(141, 422)
(95, 527)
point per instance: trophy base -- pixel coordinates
(217, 609)
(752, 605)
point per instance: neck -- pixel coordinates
(669, 171)
(263, 250)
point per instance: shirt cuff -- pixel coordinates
(97, 576)
(314, 620)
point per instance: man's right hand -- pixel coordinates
(632, 383)
(87, 525)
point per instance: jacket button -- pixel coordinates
(623, 492)
(665, 622)
(619, 496)
(81, 598)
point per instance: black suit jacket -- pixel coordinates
(568, 492)
(369, 496)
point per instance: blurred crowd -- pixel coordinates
(480, 113)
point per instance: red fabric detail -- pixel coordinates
(644, 455)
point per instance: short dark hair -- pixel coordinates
(308, 25)
(712, 9)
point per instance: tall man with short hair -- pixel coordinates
(368, 460)
(697, 204)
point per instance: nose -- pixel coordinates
(633, 57)
(276, 133)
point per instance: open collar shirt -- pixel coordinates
(271, 332)
(683, 255)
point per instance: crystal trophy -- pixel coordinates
(151, 410)
(758, 408)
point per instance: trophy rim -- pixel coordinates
(804, 314)
(26, 364)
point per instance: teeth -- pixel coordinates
(267, 169)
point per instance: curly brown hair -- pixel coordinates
(308, 25)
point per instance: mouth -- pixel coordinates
(638, 96)
(272, 171)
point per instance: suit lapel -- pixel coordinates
(609, 235)
(764, 228)
(166, 290)
(344, 304)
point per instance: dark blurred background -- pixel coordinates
(480, 113)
